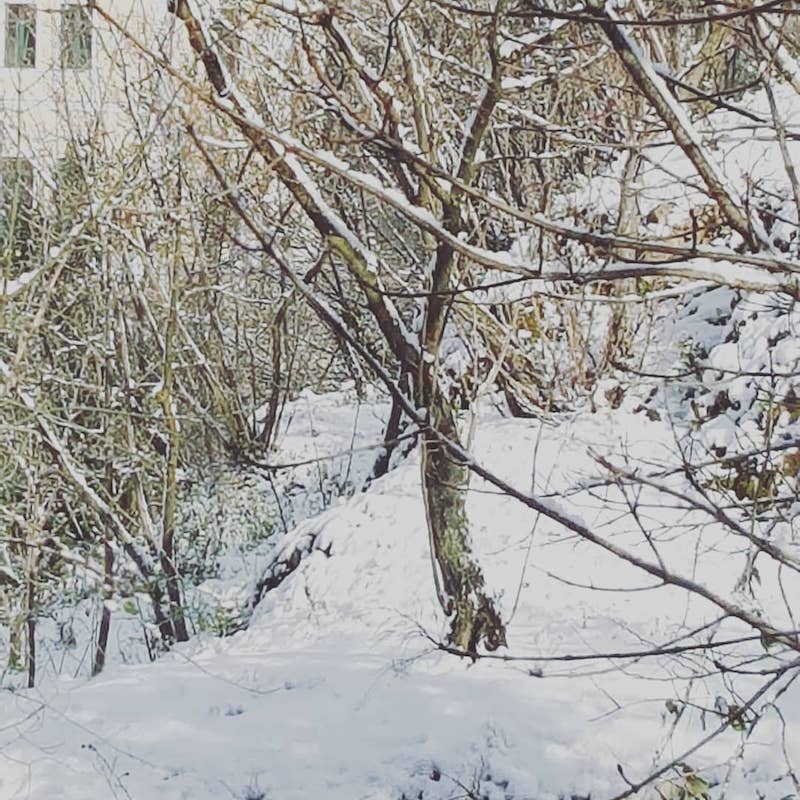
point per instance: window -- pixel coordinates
(16, 184)
(76, 37)
(71, 190)
(20, 35)
(16, 206)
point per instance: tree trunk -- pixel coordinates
(31, 626)
(170, 502)
(628, 221)
(105, 618)
(459, 581)
(391, 435)
(15, 642)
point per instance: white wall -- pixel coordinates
(44, 107)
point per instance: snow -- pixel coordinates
(336, 688)
(333, 691)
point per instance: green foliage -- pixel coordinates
(218, 616)
(129, 607)
(687, 786)
(233, 511)
(16, 214)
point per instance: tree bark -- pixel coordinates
(170, 504)
(105, 618)
(459, 580)
(461, 588)
(31, 626)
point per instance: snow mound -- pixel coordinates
(337, 690)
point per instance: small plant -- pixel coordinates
(222, 619)
(688, 785)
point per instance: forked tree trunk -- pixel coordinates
(474, 619)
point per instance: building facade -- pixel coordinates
(66, 78)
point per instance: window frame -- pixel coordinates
(14, 57)
(75, 36)
(17, 204)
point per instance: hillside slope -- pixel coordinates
(334, 692)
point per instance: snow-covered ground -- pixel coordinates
(336, 690)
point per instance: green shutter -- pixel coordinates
(20, 35)
(76, 37)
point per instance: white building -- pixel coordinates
(65, 76)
